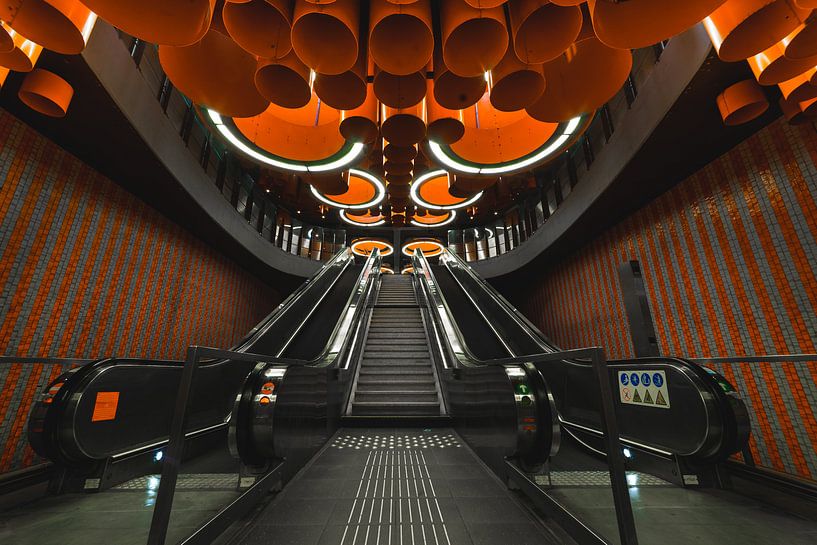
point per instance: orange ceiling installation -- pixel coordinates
(433, 220)
(364, 219)
(430, 247)
(363, 191)
(365, 246)
(24, 54)
(46, 93)
(742, 102)
(62, 26)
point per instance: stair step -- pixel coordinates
(414, 408)
(386, 341)
(412, 336)
(397, 352)
(414, 385)
(363, 396)
(395, 370)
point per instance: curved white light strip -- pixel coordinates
(441, 156)
(379, 193)
(415, 193)
(342, 214)
(407, 270)
(453, 215)
(439, 245)
(348, 158)
(388, 251)
(385, 269)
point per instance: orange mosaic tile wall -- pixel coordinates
(87, 270)
(729, 258)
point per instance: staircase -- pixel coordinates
(396, 376)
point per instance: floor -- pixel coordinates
(396, 487)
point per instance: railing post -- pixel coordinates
(173, 457)
(615, 456)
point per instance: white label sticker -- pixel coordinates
(647, 388)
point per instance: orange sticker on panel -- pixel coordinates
(105, 406)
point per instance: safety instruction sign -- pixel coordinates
(647, 388)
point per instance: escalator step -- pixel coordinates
(381, 385)
(390, 341)
(394, 354)
(418, 408)
(395, 370)
(405, 396)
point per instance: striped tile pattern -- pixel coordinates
(88, 270)
(728, 258)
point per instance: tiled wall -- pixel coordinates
(87, 270)
(729, 258)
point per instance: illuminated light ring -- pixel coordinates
(446, 156)
(380, 192)
(346, 156)
(407, 270)
(408, 249)
(415, 193)
(350, 221)
(387, 249)
(451, 217)
(385, 269)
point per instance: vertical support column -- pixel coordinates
(637, 307)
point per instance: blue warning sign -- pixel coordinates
(645, 379)
(625, 379)
(657, 379)
(634, 379)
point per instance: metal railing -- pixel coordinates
(534, 207)
(270, 219)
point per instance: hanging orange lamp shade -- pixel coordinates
(215, 72)
(6, 41)
(325, 35)
(586, 76)
(63, 26)
(284, 82)
(398, 179)
(399, 91)
(401, 41)
(740, 29)
(399, 154)
(46, 93)
(742, 102)
(331, 184)
(345, 91)
(360, 124)
(484, 4)
(452, 91)
(262, 27)
(473, 40)
(800, 88)
(798, 113)
(403, 126)
(514, 84)
(444, 126)
(164, 22)
(772, 66)
(4, 73)
(641, 23)
(803, 42)
(392, 167)
(466, 186)
(567, 2)
(541, 30)
(807, 4)
(23, 56)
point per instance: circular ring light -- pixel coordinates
(433, 177)
(446, 156)
(432, 220)
(347, 155)
(365, 246)
(385, 269)
(431, 247)
(367, 191)
(407, 270)
(362, 220)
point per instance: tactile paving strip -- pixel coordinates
(385, 441)
(596, 479)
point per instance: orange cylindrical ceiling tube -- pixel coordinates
(46, 93)
(740, 29)
(6, 41)
(799, 88)
(401, 41)
(63, 26)
(514, 84)
(284, 82)
(641, 23)
(807, 4)
(345, 91)
(567, 2)
(403, 126)
(398, 179)
(452, 91)
(742, 102)
(542, 30)
(23, 56)
(586, 76)
(484, 3)
(803, 43)
(262, 27)
(772, 66)
(325, 35)
(445, 126)
(399, 154)
(400, 169)
(360, 124)
(215, 72)
(164, 22)
(473, 40)
(798, 113)
(331, 184)
(399, 91)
